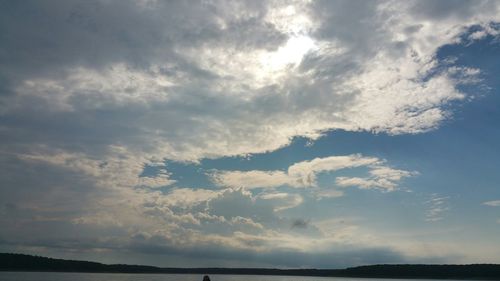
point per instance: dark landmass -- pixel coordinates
(20, 262)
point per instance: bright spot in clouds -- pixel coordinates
(290, 54)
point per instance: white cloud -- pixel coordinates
(160, 180)
(381, 177)
(156, 182)
(119, 168)
(282, 201)
(359, 182)
(303, 174)
(83, 89)
(188, 197)
(246, 221)
(251, 179)
(494, 203)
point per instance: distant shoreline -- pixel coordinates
(28, 263)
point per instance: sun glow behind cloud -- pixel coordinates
(288, 55)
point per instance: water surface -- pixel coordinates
(63, 276)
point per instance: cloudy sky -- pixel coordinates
(270, 134)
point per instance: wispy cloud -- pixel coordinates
(436, 207)
(495, 203)
(381, 177)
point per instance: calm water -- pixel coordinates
(51, 276)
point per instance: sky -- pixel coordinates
(284, 134)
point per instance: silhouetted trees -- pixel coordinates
(20, 262)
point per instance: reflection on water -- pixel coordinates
(53, 276)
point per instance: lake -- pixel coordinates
(56, 276)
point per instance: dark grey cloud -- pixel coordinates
(41, 187)
(300, 223)
(154, 247)
(458, 9)
(45, 38)
(363, 30)
(50, 39)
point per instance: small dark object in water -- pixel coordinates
(206, 278)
